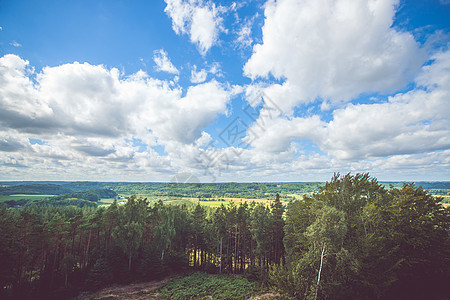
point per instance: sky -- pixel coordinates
(287, 90)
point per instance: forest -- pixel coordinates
(349, 238)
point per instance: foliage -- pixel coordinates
(99, 275)
(34, 189)
(200, 285)
(352, 238)
(355, 239)
(91, 195)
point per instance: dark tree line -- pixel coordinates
(353, 239)
(53, 251)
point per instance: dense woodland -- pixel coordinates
(353, 238)
(262, 190)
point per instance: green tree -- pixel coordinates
(128, 233)
(219, 220)
(99, 275)
(419, 227)
(164, 230)
(261, 225)
(277, 231)
(198, 229)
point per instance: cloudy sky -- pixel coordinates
(288, 90)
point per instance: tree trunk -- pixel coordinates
(129, 263)
(235, 250)
(87, 247)
(195, 256)
(320, 270)
(221, 255)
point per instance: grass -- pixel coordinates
(106, 201)
(200, 285)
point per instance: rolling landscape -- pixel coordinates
(225, 240)
(216, 149)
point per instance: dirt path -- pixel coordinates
(134, 291)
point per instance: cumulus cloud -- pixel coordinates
(407, 123)
(412, 122)
(11, 142)
(333, 49)
(163, 62)
(201, 20)
(90, 114)
(277, 134)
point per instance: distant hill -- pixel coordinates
(81, 186)
(35, 189)
(434, 184)
(428, 185)
(249, 190)
(92, 196)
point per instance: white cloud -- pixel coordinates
(244, 39)
(334, 49)
(276, 134)
(15, 44)
(407, 123)
(192, 113)
(201, 20)
(88, 116)
(163, 63)
(198, 77)
(215, 69)
(413, 122)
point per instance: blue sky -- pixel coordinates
(289, 90)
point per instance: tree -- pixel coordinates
(128, 233)
(8, 247)
(99, 275)
(261, 224)
(277, 232)
(198, 229)
(221, 230)
(326, 237)
(419, 226)
(165, 229)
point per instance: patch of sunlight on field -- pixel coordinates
(212, 203)
(299, 196)
(107, 201)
